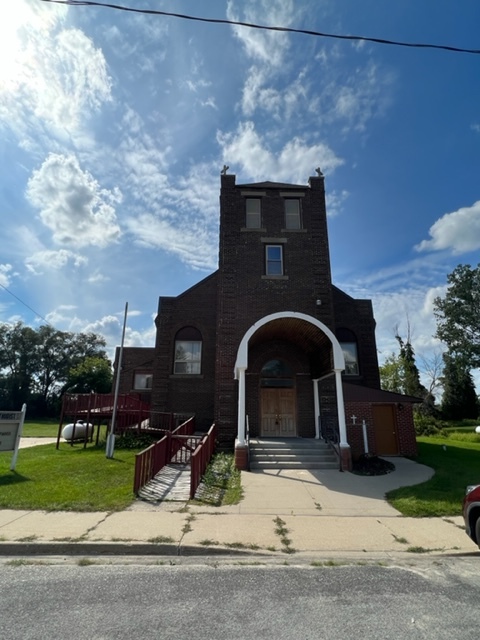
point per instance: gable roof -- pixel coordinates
(358, 393)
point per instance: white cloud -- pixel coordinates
(262, 45)
(280, 102)
(335, 200)
(72, 204)
(54, 78)
(353, 98)
(293, 163)
(192, 244)
(458, 231)
(183, 218)
(5, 270)
(48, 259)
(97, 278)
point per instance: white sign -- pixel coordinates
(11, 425)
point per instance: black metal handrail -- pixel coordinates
(330, 433)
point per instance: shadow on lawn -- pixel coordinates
(13, 478)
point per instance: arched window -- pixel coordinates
(348, 342)
(276, 373)
(188, 351)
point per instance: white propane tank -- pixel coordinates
(77, 430)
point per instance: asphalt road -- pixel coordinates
(432, 599)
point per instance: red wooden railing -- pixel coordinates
(149, 462)
(200, 459)
(175, 447)
(183, 443)
(132, 413)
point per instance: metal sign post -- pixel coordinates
(11, 425)
(110, 448)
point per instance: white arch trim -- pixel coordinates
(242, 353)
(241, 365)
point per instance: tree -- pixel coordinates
(58, 353)
(459, 396)
(458, 315)
(391, 374)
(35, 364)
(401, 375)
(91, 374)
(432, 368)
(18, 345)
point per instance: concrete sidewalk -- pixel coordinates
(295, 511)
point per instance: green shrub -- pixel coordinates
(429, 426)
(133, 440)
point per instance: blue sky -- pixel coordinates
(115, 126)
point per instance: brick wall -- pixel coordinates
(226, 304)
(193, 393)
(246, 295)
(357, 316)
(407, 445)
(134, 360)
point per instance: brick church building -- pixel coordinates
(268, 340)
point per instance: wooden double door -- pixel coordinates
(278, 412)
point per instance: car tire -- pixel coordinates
(477, 531)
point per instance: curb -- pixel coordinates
(116, 549)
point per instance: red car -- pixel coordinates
(471, 512)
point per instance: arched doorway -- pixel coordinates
(277, 400)
(300, 324)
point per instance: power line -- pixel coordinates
(251, 25)
(25, 304)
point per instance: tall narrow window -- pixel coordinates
(274, 260)
(253, 213)
(188, 351)
(292, 214)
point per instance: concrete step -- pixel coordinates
(276, 464)
(288, 457)
(291, 453)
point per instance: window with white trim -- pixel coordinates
(274, 260)
(253, 213)
(142, 381)
(293, 218)
(188, 352)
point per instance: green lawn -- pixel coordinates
(72, 478)
(456, 464)
(40, 428)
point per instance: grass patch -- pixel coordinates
(67, 479)
(282, 531)
(327, 563)
(209, 543)
(221, 483)
(23, 562)
(85, 562)
(187, 527)
(47, 428)
(456, 463)
(160, 540)
(242, 545)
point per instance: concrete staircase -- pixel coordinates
(291, 453)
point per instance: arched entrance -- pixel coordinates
(278, 411)
(316, 339)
